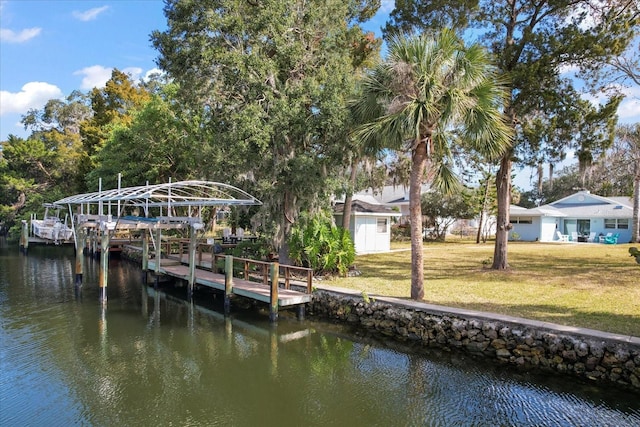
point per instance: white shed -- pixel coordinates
(370, 225)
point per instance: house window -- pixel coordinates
(382, 224)
(521, 220)
(612, 223)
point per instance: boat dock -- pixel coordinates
(136, 217)
(279, 286)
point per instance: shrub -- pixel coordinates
(252, 250)
(320, 245)
(401, 233)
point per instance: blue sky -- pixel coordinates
(48, 48)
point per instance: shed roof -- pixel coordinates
(361, 207)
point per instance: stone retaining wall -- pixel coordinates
(603, 360)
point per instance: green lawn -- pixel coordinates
(594, 286)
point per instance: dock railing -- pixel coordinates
(250, 269)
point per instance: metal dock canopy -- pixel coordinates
(169, 195)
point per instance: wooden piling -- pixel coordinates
(273, 306)
(94, 243)
(228, 282)
(192, 260)
(104, 265)
(79, 245)
(24, 237)
(145, 250)
(158, 257)
(158, 249)
(145, 255)
(86, 243)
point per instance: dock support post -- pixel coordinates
(273, 306)
(79, 244)
(94, 243)
(24, 237)
(86, 243)
(145, 255)
(158, 257)
(192, 260)
(228, 282)
(104, 264)
(301, 312)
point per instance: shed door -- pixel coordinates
(365, 234)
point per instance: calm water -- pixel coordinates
(152, 359)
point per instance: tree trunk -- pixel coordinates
(635, 229)
(348, 198)
(418, 165)
(282, 236)
(503, 185)
(483, 210)
(540, 177)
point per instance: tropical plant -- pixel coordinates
(318, 244)
(428, 88)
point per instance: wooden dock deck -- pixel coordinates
(241, 287)
(279, 286)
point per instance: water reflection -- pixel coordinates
(152, 358)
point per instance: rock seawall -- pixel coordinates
(611, 360)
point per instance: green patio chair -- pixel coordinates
(612, 240)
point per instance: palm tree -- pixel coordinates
(630, 137)
(429, 89)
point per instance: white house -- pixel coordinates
(397, 198)
(393, 196)
(370, 224)
(578, 217)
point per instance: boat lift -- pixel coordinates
(148, 208)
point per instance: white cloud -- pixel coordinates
(32, 95)
(151, 72)
(565, 69)
(11, 36)
(133, 72)
(387, 6)
(97, 76)
(94, 76)
(89, 15)
(629, 110)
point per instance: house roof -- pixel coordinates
(582, 204)
(362, 207)
(392, 194)
(623, 201)
(539, 211)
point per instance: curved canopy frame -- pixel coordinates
(173, 194)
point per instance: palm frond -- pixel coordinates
(445, 179)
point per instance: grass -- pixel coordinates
(592, 286)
